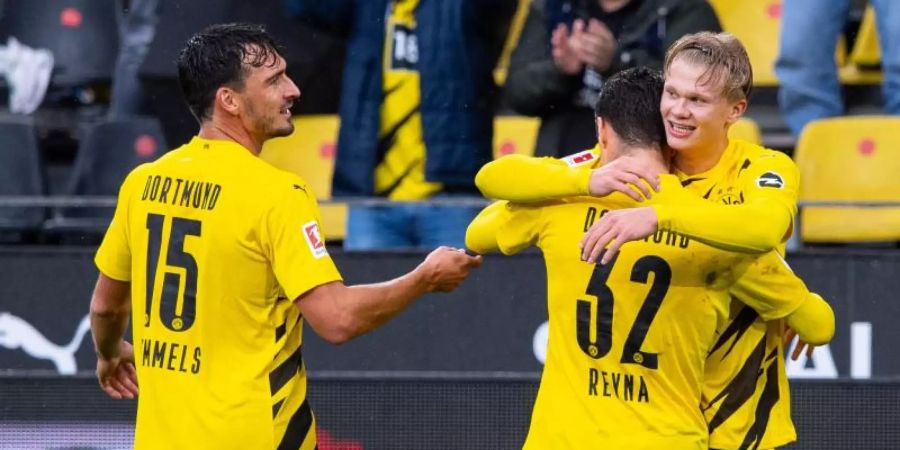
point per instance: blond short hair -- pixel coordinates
(724, 57)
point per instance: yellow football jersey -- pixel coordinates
(217, 244)
(746, 395)
(400, 174)
(628, 340)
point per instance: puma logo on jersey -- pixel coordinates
(770, 179)
(15, 333)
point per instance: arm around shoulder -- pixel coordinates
(521, 178)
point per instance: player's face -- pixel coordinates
(268, 95)
(696, 113)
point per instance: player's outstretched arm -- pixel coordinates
(110, 309)
(339, 313)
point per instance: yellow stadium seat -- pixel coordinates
(756, 24)
(866, 51)
(865, 55)
(515, 134)
(309, 152)
(746, 129)
(850, 159)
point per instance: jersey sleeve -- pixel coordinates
(769, 186)
(294, 245)
(504, 227)
(770, 287)
(113, 258)
(520, 178)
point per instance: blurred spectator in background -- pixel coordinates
(416, 111)
(568, 47)
(806, 68)
(137, 25)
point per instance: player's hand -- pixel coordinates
(117, 376)
(446, 268)
(594, 43)
(624, 175)
(563, 54)
(616, 228)
(789, 335)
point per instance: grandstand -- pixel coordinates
(455, 372)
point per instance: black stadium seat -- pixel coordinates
(109, 151)
(81, 34)
(21, 173)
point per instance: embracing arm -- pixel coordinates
(522, 178)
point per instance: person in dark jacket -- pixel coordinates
(416, 111)
(568, 47)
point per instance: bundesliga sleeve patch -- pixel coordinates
(770, 180)
(314, 239)
(580, 158)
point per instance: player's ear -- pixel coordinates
(227, 99)
(736, 111)
(602, 132)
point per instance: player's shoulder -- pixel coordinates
(586, 158)
(276, 182)
(753, 153)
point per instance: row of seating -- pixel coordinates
(842, 159)
(852, 159)
(108, 151)
(758, 25)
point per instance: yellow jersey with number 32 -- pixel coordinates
(628, 341)
(746, 396)
(217, 244)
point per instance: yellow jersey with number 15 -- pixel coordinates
(217, 245)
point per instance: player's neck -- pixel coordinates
(224, 130)
(653, 159)
(699, 159)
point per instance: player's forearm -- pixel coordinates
(365, 307)
(522, 178)
(755, 227)
(813, 320)
(110, 309)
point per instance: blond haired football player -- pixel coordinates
(751, 193)
(629, 339)
(219, 260)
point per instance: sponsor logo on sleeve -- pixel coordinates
(314, 239)
(770, 180)
(580, 158)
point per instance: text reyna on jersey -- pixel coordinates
(623, 386)
(181, 192)
(662, 236)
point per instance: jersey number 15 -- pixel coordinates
(176, 258)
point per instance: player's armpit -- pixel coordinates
(757, 226)
(522, 178)
(505, 227)
(813, 320)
